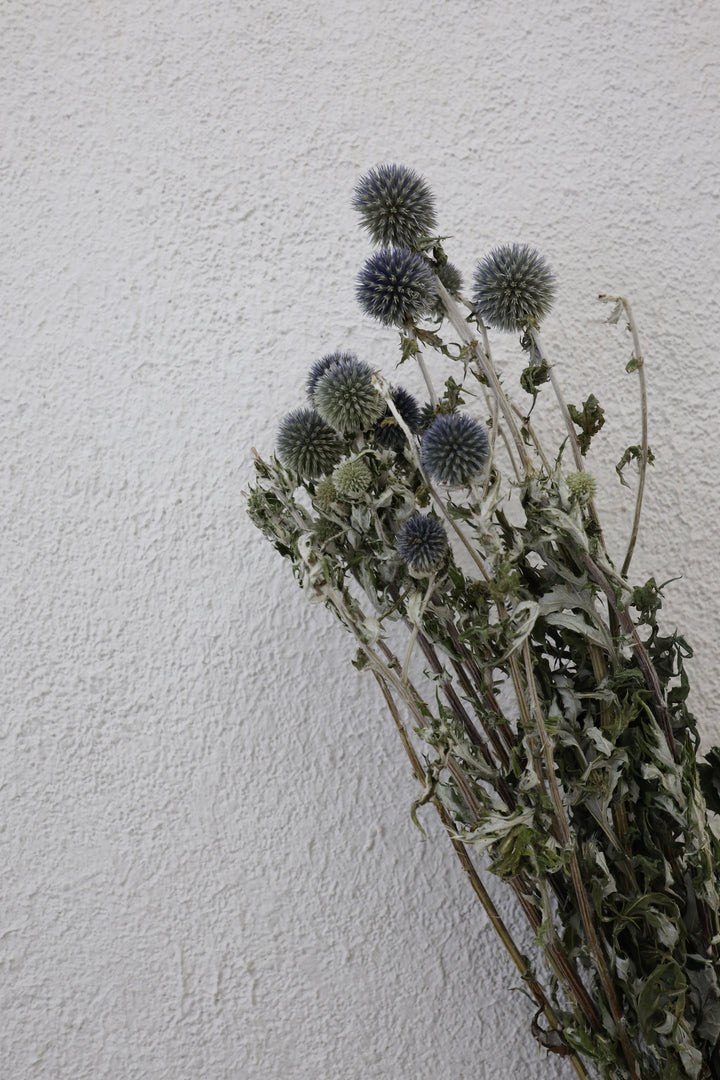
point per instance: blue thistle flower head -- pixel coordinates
(454, 449)
(514, 287)
(345, 397)
(396, 286)
(422, 543)
(387, 433)
(306, 444)
(395, 205)
(320, 367)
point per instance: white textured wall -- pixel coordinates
(209, 870)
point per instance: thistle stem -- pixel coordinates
(428, 381)
(577, 454)
(428, 483)
(416, 627)
(487, 369)
(593, 940)
(643, 463)
(479, 889)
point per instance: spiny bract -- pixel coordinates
(454, 448)
(345, 397)
(422, 543)
(306, 444)
(396, 286)
(514, 287)
(395, 205)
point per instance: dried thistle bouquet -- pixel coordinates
(468, 561)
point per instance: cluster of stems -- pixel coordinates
(504, 780)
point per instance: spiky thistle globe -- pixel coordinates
(387, 432)
(307, 444)
(422, 543)
(326, 493)
(454, 449)
(352, 478)
(514, 287)
(320, 367)
(395, 205)
(396, 286)
(345, 397)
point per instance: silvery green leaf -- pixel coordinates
(565, 524)
(413, 606)
(579, 625)
(691, 1059)
(528, 609)
(603, 745)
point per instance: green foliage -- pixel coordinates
(584, 794)
(633, 453)
(589, 419)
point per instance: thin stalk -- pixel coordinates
(533, 436)
(496, 429)
(479, 683)
(479, 889)
(492, 735)
(461, 714)
(584, 908)
(407, 692)
(416, 627)
(644, 662)
(487, 369)
(577, 454)
(643, 462)
(537, 344)
(430, 486)
(559, 962)
(428, 381)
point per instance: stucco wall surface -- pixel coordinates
(209, 869)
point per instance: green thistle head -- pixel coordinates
(581, 486)
(352, 478)
(326, 493)
(306, 444)
(345, 397)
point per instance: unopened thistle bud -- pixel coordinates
(326, 493)
(320, 367)
(581, 486)
(352, 478)
(324, 531)
(451, 278)
(387, 431)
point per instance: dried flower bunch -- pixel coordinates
(466, 560)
